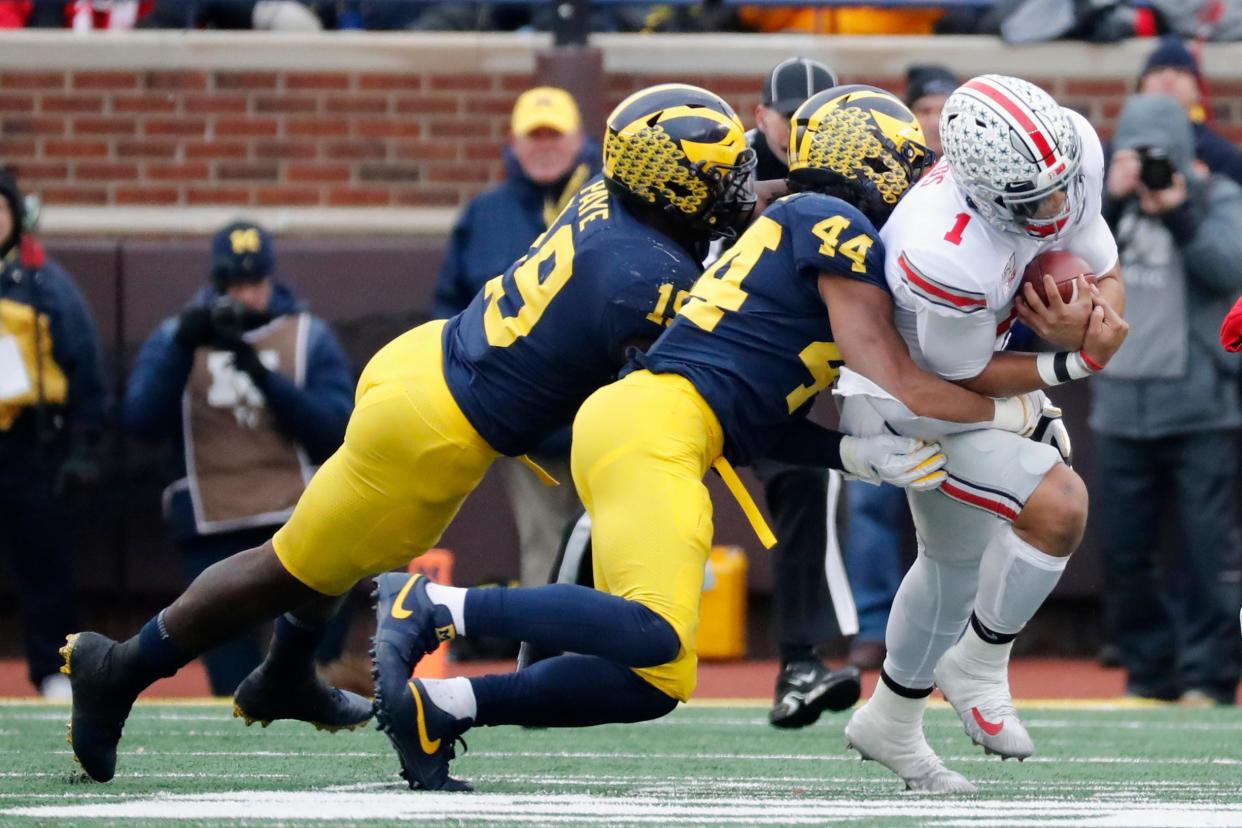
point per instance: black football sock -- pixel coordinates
(799, 651)
(149, 656)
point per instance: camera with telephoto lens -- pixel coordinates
(1155, 168)
(230, 319)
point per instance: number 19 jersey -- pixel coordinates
(539, 338)
(755, 337)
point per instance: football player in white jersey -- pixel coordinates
(1021, 176)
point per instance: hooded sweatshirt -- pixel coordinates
(1180, 274)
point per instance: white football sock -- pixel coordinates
(1014, 580)
(897, 708)
(455, 696)
(455, 599)
(931, 608)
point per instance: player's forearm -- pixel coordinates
(1113, 290)
(927, 395)
(1006, 375)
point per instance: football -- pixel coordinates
(1064, 267)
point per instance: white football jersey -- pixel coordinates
(954, 276)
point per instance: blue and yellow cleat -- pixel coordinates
(407, 624)
(101, 702)
(423, 735)
(268, 694)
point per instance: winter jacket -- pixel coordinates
(1181, 273)
(73, 413)
(497, 227)
(314, 415)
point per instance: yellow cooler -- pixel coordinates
(722, 625)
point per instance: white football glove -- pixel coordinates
(887, 458)
(1051, 430)
(1020, 413)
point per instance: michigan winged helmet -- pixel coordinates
(858, 143)
(682, 150)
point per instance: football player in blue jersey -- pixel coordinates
(766, 328)
(436, 406)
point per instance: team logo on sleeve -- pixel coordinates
(1010, 272)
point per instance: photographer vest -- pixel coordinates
(241, 470)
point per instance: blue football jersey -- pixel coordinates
(539, 338)
(755, 337)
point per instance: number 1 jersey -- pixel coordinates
(539, 338)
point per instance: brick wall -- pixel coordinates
(426, 130)
(344, 139)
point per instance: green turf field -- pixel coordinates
(703, 765)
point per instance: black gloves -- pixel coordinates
(194, 329)
(247, 360)
(221, 325)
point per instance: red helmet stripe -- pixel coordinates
(1024, 120)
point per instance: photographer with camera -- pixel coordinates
(1166, 412)
(1173, 70)
(252, 393)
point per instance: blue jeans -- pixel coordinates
(873, 552)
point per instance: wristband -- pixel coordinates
(1065, 366)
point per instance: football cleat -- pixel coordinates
(979, 692)
(423, 735)
(101, 703)
(265, 696)
(902, 748)
(408, 625)
(805, 689)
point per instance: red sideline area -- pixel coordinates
(1035, 678)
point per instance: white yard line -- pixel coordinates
(344, 807)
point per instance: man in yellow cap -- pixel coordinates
(547, 160)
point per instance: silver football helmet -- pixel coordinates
(1015, 153)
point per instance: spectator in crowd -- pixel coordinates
(261, 15)
(251, 393)
(928, 86)
(1166, 411)
(1172, 70)
(547, 161)
(51, 416)
(877, 514)
(787, 85)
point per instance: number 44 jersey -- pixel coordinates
(755, 336)
(539, 338)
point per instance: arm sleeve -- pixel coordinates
(956, 347)
(955, 326)
(631, 295)
(316, 415)
(801, 442)
(151, 408)
(1095, 244)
